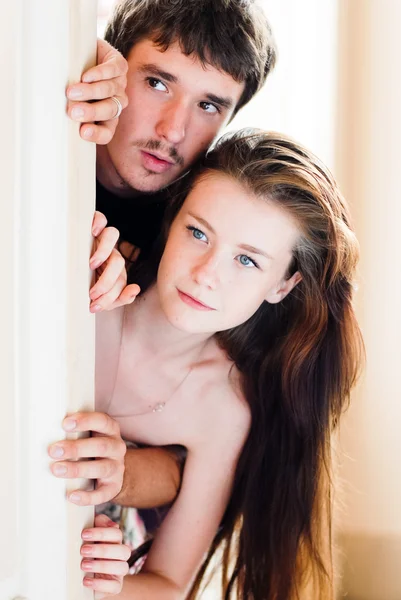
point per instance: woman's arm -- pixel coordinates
(191, 524)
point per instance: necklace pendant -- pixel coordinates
(159, 407)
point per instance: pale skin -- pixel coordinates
(104, 557)
(177, 102)
(231, 266)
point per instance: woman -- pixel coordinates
(244, 350)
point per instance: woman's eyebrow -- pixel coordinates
(203, 222)
(245, 247)
(254, 250)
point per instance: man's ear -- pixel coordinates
(283, 288)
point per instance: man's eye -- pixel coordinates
(244, 260)
(197, 233)
(209, 107)
(156, 84)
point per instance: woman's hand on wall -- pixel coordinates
(110, 290)
(74, 457)
(90, 101)
(104, 558)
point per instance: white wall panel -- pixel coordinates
(47, 333)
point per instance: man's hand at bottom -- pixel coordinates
(74, 458)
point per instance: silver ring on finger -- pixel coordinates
(119, 107)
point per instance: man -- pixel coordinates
(192, 64)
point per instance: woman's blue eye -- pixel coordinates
(197, 233)
(244, 260)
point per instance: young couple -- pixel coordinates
(242, 346)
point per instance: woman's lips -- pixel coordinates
(191, 301)
(155, 164)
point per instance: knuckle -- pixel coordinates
(127, 554)
(125, 568)
(103, 446)
(105, 133)
(120, 262)
(70, 449)
(74, 470)
(121, 449)
(107, 470)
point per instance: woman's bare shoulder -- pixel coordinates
(225, 406)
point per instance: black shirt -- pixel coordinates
(138, 219)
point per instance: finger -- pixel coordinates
(106, 242)
(102, 110)
(114, 65)
(98, 134)
(92, 421)
(103, 521)
(99, 90)
(126, 297)
(110, 585)
(114, 273)
(101, 468)
(99, 222)
(93, 447)
(111, 551)
(109, 300)
(103, 493)
(112, 567)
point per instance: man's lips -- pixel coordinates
(155, 163)
(191, 301)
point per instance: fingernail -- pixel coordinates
(88, 132)
(59, 470)
(87, 78)
(88, 582)
(69, 424)
(95, 231)
(87, 565)
(87, 550)
(86, 535)
(56, 451)
(77, 112)
(95, 308)
(74, 497)
(75, 93)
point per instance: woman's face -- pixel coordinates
(227, 251)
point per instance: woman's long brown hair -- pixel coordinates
(298, 361)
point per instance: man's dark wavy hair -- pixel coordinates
(231, 35)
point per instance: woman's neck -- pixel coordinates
(153, 336)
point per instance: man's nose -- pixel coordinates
(173, 122)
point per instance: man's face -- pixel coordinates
(176, 108)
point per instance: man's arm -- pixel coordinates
(152, 474)
(152, 477)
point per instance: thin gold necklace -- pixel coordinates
(158, 407)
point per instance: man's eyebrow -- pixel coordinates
(245, 247)
(157, 72)
(223, 102)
